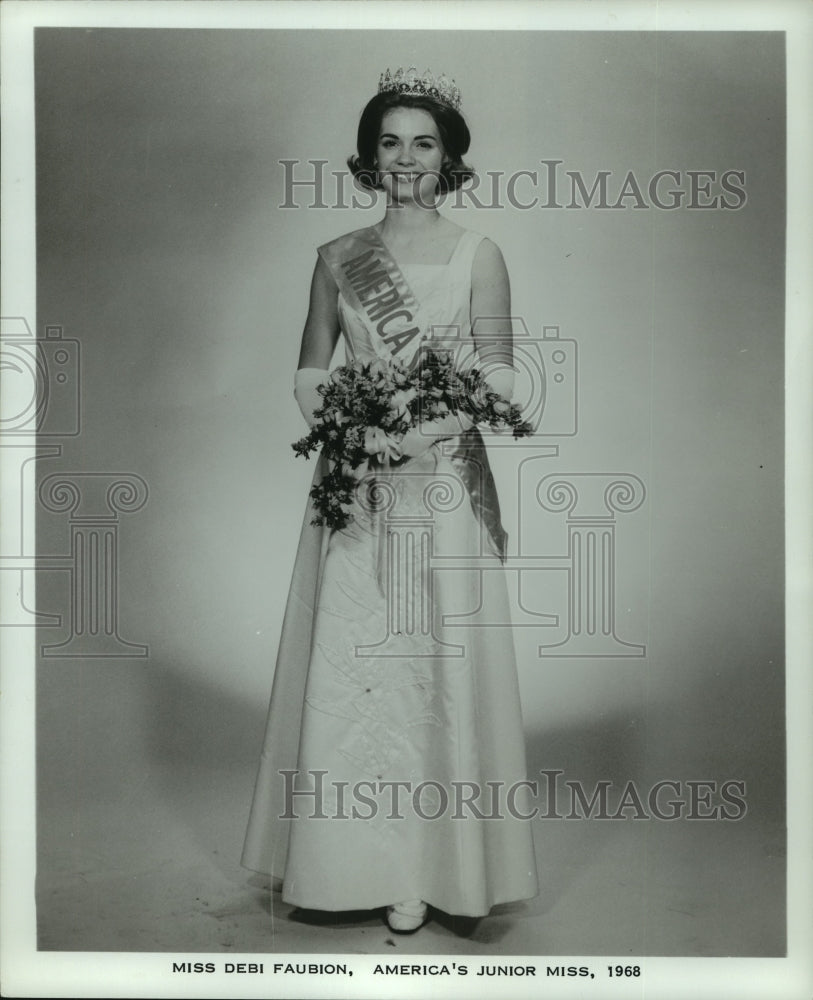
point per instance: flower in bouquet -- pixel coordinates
(381, 445)
(369, 406)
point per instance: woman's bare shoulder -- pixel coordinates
(487, 249)
(488, 256)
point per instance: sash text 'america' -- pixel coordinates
(381, 300)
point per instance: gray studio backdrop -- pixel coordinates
(163, 250)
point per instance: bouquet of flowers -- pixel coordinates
(369, 406)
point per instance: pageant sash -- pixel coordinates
(469, 459)
(370, 281)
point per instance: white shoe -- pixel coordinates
(407, 917)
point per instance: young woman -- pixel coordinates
(393, 767)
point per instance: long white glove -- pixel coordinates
(501, 379)
(306, 381)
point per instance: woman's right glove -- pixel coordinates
(306, 383)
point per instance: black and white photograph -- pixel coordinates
(406, 544)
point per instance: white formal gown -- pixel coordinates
(374, 683)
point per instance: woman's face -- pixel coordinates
(409, 155)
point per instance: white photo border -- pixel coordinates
(27, 972)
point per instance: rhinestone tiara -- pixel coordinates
(408, 81)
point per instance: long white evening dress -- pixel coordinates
(429, 702)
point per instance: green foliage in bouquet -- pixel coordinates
(368, 407)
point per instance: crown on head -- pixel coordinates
(408, 81)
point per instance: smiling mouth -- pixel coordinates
(404, 175)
